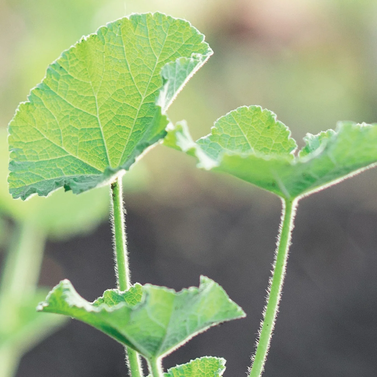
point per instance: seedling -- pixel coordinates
(101, 105)
(251, 144)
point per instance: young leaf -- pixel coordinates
(251, 144)
(153, 323)
(102, 104)
(203, 367)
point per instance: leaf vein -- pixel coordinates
(143, 96)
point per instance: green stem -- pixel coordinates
(9, 360)
(22, 268)
(120, 243)
(19, 280)
(276, 285)
(122, 266)
(155, 367)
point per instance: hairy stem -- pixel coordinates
(155, 367)
(120, 243)
(122, 266)
(276, 285)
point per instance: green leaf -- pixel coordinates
(113, 297)
(249, 130)
(153, 320)
(102, 104)
(76, 214)
(202, 367)
(252, 145)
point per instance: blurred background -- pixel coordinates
(312, 62)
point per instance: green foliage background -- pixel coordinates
(312, 63)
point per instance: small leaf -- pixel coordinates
(203, 367)
(155, 326)
(248, 130)
(112, 297)
(252, 145)
(102, 104)
(313, 142)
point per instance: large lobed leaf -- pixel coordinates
(251, 144)
(102, 104)
(153, 320)
(89, 209)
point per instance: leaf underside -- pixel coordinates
(101, 104)
(202, 367)
(251, 144)
(89, 209)
(153, 320)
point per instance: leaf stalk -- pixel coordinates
(275, 287)
(122, 270)
(155, 367)
(120, 242)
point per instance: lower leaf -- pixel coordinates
(152, 320)
(203, 367)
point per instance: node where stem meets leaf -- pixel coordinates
(152, 320)
(102, 104)
(251, 144)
